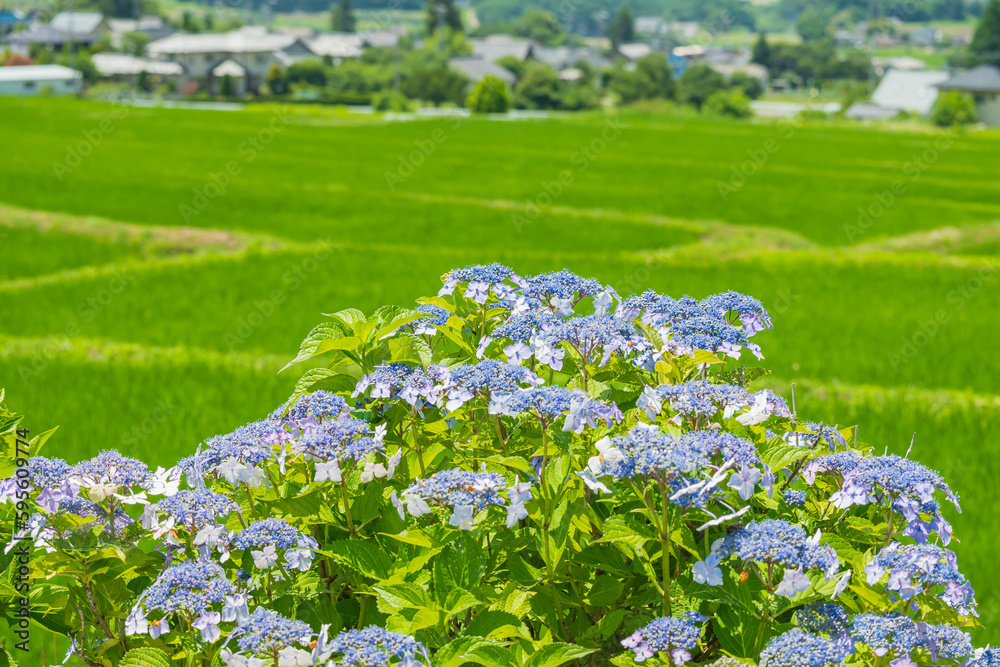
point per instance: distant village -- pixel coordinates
(395, 68)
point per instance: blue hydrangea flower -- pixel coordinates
(480, 280)
(320, 404)
(398, 381)
(915, 568)
(426, 326)
(110, 467)
(781, 543)
(560, 285)
(456, 488)
(591, 334)
(46, 473)
(266, 632)
(197, 508)
(375, 647)
(700, 398)
(193, 587)
(267, 532)
(733, 305)
(675, 636)
(336, 439)
(463, 382)
(798, 648)
(823, 617)
(795, 497)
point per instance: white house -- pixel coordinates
(254, 49)
(911, 91)
(32, 79)
(127, 68)
(983, 83)
(82, 28)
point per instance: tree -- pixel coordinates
(227, 88)
(812, 24)
(429, 77)
(621, 30)
(651, 79)
(312, 72)
(276, 80)
(698, 83)
(135, 43)
(728, 103)
(343, 17)
(954, 108)
(762, 51)
(489, 96)
(443, 13)
(985, 45)
(538, 88)
(750, 85)
(541, 26)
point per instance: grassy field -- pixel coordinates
(146, 309)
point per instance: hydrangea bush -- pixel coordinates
(518, 472)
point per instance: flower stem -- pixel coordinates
(347, 505)
(665, 555)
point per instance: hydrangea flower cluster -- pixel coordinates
(798, 648)
(674, 636)
(191, 588)
(319, 404)
(480, 280)
(269, 538)
(398, 381)
(462, 490)
(267, 632)
(897, 636)
(375, 647)
(700, 398)
(916, 568)
(427, 326)
(459, 384)
(548, 403)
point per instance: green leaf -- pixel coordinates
(737, 631)
(410, 349)
(458, 567)
(320, 340)
(553, 655)
(145, 657)
(780, 456)
(494, 624)
(348, 316)
(363, 557)
(605, 591)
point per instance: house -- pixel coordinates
(33, 79)
(152, 26)
(865, 111)
(983, 83)
(654, 25)
(494, 47)
(634, 51)
(254, 49)
(337, 45)
(561, 58)
(125, 68)
(752, 70)
(926, 36)
(478, 68)
(83, 28)
(910, 91)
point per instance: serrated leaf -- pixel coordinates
(323, 338)
(145, 656)
(553, 655)
(362, 557)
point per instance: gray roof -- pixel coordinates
(245, 40)
(337, 44)
(38, 73)
(908, 90)
(863, 111)
(495, 47)
(78, 23)
(478, 68)
(563, 57)
(982, 79)
(110, 64)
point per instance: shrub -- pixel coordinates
(954, 108)
(390, 100)
(489, 96)
(728, 103)
(698, 83)
(516, 473)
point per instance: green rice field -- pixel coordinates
(157, 266)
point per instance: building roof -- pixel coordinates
(635, 50)
(384, 38)
(495, 47)
(982, 79)
(563, 57)
(11, 17)
(908, 91)
(864, 111)
(110, 64)
(907, 63)
(478, 68)
(142, 24)
(750, 69)
(78, 23)
(229, 68)
(249, 39)
(38, 73)
(337, 44)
